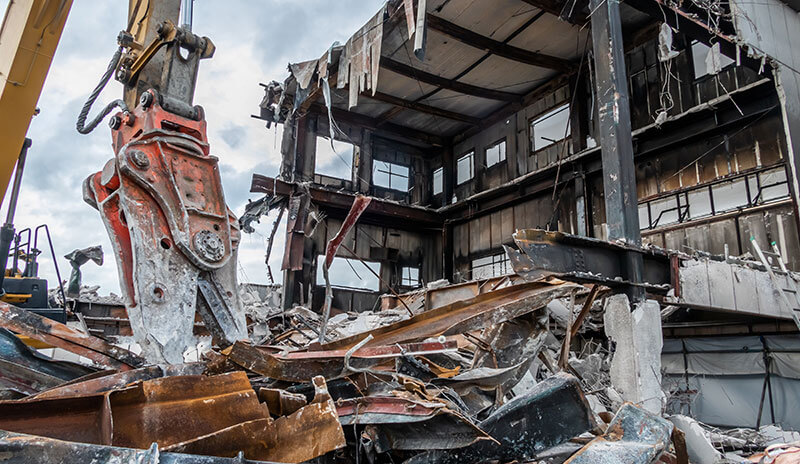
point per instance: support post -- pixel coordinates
(614, 121)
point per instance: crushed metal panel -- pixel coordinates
(61, 336)
(17, 448)
(476, 313)
(300, 366)
(281, 402)
(550, 414)
(634, 436)
(405, 424)
(27, 372)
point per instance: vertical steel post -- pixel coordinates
(614, 124)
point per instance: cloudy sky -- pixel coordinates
(255, 40)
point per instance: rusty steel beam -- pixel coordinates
(445, 83)
(406, 217)
(300, 366)
(59, 335)
(463, 316)
(111, 381)
(165, 411)
(505, 50)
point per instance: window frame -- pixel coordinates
(501, 259)
(439, 170)
(407, 281)
(543, 117)
(389, 173)
(500, 161)
(327, 142)
(471, 154)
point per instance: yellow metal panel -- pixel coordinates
(28, 39)
(34, 343)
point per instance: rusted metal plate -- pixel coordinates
(634, 436)
(310, 432)
(280, 402)
(300, 366)
(111, 381)
(17, 448)
(61, 336)
(484, 310)
(164, 411)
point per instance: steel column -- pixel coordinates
(614, 123)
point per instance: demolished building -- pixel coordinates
(516, 231)
(468, 121)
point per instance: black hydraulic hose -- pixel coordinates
(81, 125)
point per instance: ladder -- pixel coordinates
(788, 288)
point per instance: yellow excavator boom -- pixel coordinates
(29, 36)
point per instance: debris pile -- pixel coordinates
(497, 377)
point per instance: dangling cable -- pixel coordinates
(81, 123)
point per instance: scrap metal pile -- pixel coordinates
(441, 377)
(464, 382)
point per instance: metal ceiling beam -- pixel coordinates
(422, 108)
(562, 9)
(449, 84)
(510, 52)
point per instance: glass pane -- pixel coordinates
(464, 168)
(380, 178)
(334, 162)
(773, 185)
(729, 195)
(349, 273)
(699, 203)
(496, 154)
(644, 218)
(550, 128)
(438, 181)
(664, 211)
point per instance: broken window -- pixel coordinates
(336, 161)
(664, 211)
(700, 53)
(491, 266)
(438, 181)
(496, 153)
(350, 273)
(465, 167)
(409, 277)
(550, 128)
(390, 175)
(768, 185)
